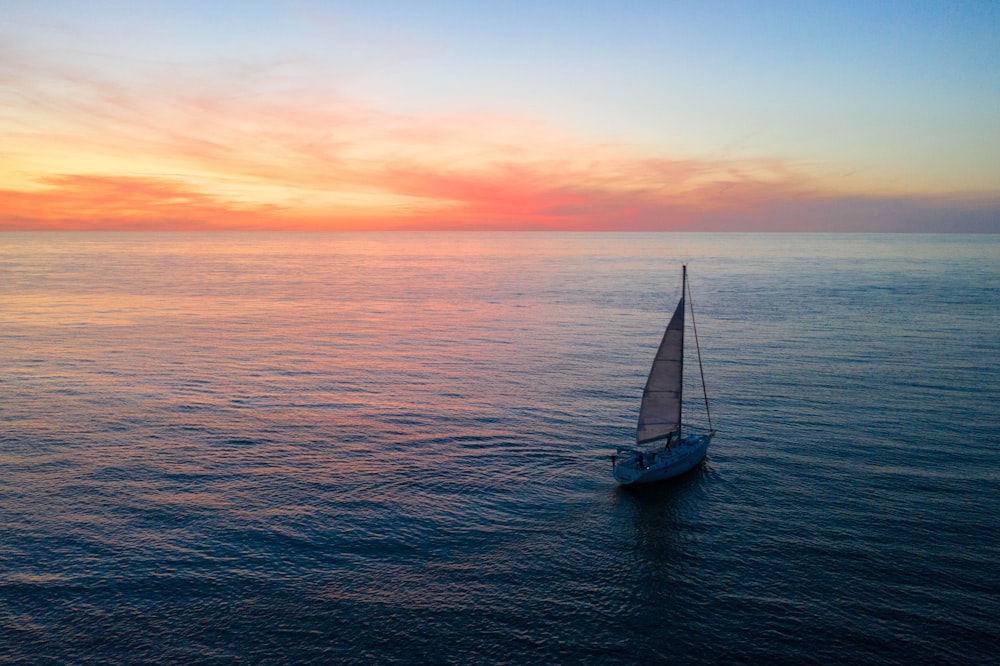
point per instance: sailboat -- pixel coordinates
(662, 451)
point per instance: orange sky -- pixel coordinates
(104, 135)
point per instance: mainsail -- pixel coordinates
(660, 414)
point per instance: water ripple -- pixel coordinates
(369, 448)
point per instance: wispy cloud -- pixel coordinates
(123, 203)
(264, 144)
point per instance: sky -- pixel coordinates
(549, 115)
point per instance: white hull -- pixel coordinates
(661, 463)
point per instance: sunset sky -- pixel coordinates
(384, 114)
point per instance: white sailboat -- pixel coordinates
(662, 451)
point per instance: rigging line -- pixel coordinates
(694, 327)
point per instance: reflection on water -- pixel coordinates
(394, 448)
(663, 513)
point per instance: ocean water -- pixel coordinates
(394, 448)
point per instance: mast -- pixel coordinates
(697, 346)
(680, 387)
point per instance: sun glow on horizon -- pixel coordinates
(94, 138)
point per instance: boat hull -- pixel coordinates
(660, 464)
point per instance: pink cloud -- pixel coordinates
(113, 202)
(171, 147)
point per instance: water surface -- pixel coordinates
(346, 448)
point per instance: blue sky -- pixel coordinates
(822, 101)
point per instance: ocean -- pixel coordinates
(395, 448)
